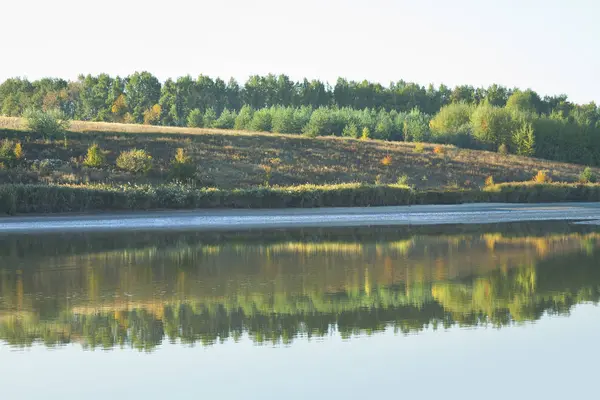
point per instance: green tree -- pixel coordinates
(226, 120)
(350, 130)
(210, 116)
(415, 126)
(492, 125)
(451, 119)
(524, 139)
(342, 93)
(142, 92)
(283, 120)
(523, 101)
(15, 96)
(233, 95)
(262, 120)
(195, 119)
(254, 92)
(205, 95)
(384, 126)
(94, 158)
(324, 121)
(243, 119)
(366, 134)
(463, 94)
(94, 97)
(496, 95)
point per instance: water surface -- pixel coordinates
(453, 311)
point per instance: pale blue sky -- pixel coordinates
(547, 45)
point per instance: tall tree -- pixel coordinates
(94, 97)
(15, 96)
(342, 94)
(233, 95)
(253, 92)
(142, 92)
(525, 101)
(497, 95)
(463, 94)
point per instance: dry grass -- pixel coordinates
(12, 123)
(15, 123)
(230, 159)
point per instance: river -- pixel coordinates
(457, 310)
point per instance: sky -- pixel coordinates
(547, 45)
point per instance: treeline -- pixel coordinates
(106, 98)
(496, 118)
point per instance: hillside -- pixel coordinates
(239, 159)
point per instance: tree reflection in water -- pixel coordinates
(136, 290)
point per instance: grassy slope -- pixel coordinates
(234, 159)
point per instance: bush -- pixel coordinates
(49, 124)
(7, 153)
(20, 198)
(503, 149)
(45, 166)
(195, 119)
(531, 192)
(94, 158)
(48, 199)
(489, 181)
(386, 161)
(439, 150)
(419, 148)
(366, 134)
(404, 180)
(182, 167)
(18, 151)
(587, 176)
(135, 161)
(542, 177)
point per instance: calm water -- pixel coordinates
(461, 312)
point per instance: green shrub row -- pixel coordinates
(49, 199)
(22, 199)
(531, 192)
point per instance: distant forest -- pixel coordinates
(494, 118)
